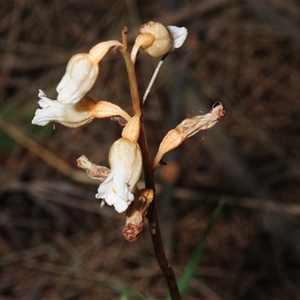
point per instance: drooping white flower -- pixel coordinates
(81, 73)
(80, 76)
(74, 115)
(68, 115)
(125, 161)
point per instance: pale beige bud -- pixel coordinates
(131, 131)
(154, 38)
(163, 41)
(171, 140)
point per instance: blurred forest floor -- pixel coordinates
(57, 243)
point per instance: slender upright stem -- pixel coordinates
(131, 76)
(149, 179)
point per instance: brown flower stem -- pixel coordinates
(124, 37)
(164, 265)
(131, 75)
(149, 179)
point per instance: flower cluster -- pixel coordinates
(73, 108)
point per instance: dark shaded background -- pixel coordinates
(57, 243)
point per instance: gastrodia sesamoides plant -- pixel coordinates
(73, 107)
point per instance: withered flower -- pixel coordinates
(187, 128)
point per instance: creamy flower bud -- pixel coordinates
(131, 131)
(81, 73)
(154, 38)
(163, 41)
(125, 161)
(157, 39)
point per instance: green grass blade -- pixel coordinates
(124, 295)
(194, 261)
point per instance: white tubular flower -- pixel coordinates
(81, 73)
(125, 161)
(74, 115)
(68, 115)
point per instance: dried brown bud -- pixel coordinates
(95, 172)
(135, 214)
(191, 126)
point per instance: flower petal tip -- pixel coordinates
(179, 35)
